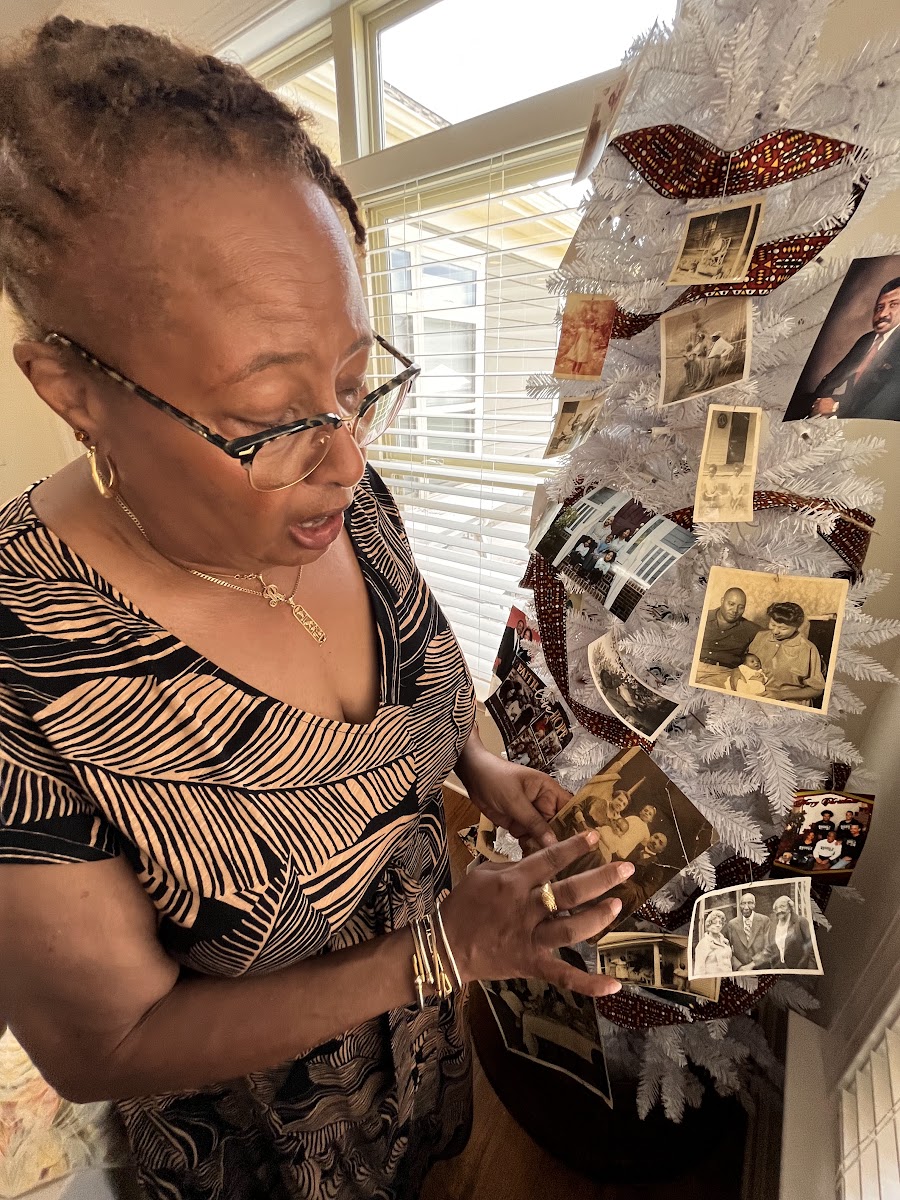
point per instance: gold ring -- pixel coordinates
(548, 899)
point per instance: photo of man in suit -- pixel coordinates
(747, 932)
(862, 381)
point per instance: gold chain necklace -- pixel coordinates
(269, 593)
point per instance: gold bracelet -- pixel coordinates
(440, 923)
(422, 952)
(442, 984)
(419, 981)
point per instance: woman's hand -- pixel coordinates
(498, 927)
(514, 797)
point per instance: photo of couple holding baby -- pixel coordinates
(769, 638)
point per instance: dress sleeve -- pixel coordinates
(45, 817)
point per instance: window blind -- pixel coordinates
(870, 1123)
(457, 276)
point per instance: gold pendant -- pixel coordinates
(309, 623)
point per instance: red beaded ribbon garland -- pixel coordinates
(680, 164)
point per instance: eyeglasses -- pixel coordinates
(278, 458)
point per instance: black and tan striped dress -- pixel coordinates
(262, 835)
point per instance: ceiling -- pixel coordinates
(209, 23)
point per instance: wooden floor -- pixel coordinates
(501, 1161)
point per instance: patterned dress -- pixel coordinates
(263, 835)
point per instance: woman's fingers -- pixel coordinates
(562, 975)
(588, 885)
(577, 927)
(545, 864)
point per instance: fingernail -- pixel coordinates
(617, 987)
(625, 870)
(616, 907)
(547, 839)
(593, 838)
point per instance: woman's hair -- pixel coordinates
(714, 912)
(785, 612)
(80, 104)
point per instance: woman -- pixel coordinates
(790, 662)
(220, 816)
(789, 942)
(712, 955)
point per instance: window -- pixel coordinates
(870, 1122)
(315, 91)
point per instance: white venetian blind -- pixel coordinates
(870, 1123)
(457, 278)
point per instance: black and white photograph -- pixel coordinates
(552, 1026)
(771, 638)
(704, 348)
(755, 929)
(718, 244)
(610, 546)
(608, 100)
(853, 370)
(574, 422)
(584, 337)
(644, 710)
(532, 733)
(518, 637)
(657, 962)
(824, 836)
(727, 473)
(640, 817)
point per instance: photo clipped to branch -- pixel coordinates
(519, 635)
(641, 817)
(608, 100)
(610, 546)
(727, 474)
(583, 340)
(824, 836)
(551, 1026)
(853, 370)
(718, 244)
(574, 422)
(646, 712)
(704, 348)
(755, 929)
(532, 733)
(772, 638)
(653, 961)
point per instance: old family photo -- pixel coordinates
(519, 635)
(704, 347)
(727, 473)
(641, 817)
(637, 705)
(533, 733)
(610, 546)
(771, 638)
(656, 962)
(574, 422)
(718, 244)
(584, 337)
(824, 836)
(552, 1026)
(853, 370)
(755, 929)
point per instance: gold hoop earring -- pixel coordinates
(106, 487)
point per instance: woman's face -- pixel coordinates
(715, 922)
(780, 630)
(234, 295)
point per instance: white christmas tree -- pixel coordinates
(731, 71)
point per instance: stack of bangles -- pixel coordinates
(428, 965)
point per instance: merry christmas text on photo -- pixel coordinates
(770, 638)
(552, 1026)
(584, 337)
(573, 424)
(727, 474)
(704, 348)
(641, 817)
(824, 836)
(755, 929)
(718, 244)
(853, 370)
(608, 545)
(638, 706)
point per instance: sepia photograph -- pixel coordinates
(608, 545)
(608, 100)
(704, 347)
(532, 733)
(583, 340)
(640, 817)
(755, 929)
(853, 369)
(718, 244)
(574, 422)
(824, 836)
(771, 638)
(637, 705)
(519, 635)
(727, 473)
(552, 1026)
(652, 961)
